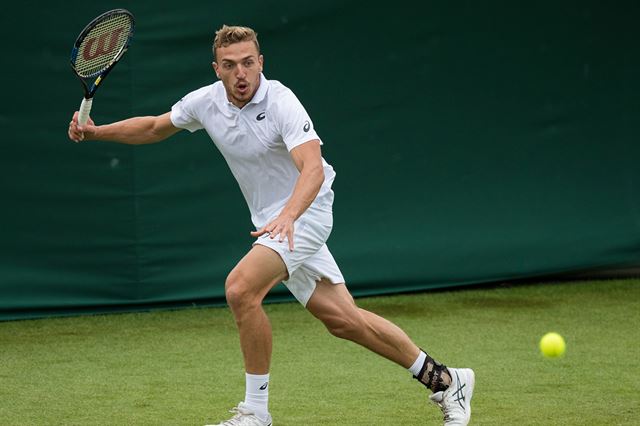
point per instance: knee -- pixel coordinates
(238, 293)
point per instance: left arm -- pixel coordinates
(308, 159)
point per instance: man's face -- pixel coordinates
(239, 66)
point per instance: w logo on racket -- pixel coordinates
(106, 43)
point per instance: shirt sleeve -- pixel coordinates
(183, 114)
(295, 124)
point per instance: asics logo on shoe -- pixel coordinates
(263, 387)
(459, 394)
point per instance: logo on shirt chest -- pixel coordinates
(260, 116)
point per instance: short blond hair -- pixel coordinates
(234, 34)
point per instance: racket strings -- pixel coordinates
(102, 44)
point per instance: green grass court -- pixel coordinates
(184, 367)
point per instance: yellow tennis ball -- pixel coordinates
(552, 345)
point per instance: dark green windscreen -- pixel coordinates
(473, 142)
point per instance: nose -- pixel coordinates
(241, 72)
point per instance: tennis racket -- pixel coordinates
(97, 50)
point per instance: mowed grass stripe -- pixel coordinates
(184, 367)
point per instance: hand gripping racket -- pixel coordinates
(97, 50)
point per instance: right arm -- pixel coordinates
(133, 131)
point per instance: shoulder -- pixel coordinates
(281, 98)
(278, 91)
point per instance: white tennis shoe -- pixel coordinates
(455, 401)
(244, 417)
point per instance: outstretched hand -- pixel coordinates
(281, 227)
(77, 132)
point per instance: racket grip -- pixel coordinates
(85, 109)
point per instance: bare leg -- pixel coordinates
(333, 305)
(246, 286)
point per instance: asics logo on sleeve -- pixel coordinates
(260, 116)
(307, 126)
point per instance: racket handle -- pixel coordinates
(85, 109)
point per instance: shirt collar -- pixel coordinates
(262, 90)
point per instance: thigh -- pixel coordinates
(331, 300)
(258, 271)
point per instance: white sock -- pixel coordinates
(417, 366)
(256, 396)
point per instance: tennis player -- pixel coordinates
(274, 152)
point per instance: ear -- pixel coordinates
(215, 68)
(261, 62)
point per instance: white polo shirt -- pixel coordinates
(255, 141)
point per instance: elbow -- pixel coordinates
(156, 133)
(152, 137)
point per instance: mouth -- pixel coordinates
(242, 87)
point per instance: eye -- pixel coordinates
(248, 63)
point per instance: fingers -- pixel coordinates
(281, 231)
(75, 131)
(277, 229)
(258, 232)
(290, 238)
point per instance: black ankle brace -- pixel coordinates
(434, 375)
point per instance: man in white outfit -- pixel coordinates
(274, 152)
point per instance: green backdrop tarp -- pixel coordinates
(473, 142)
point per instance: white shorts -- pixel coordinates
(310, 259)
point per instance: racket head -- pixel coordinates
(100, 46)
